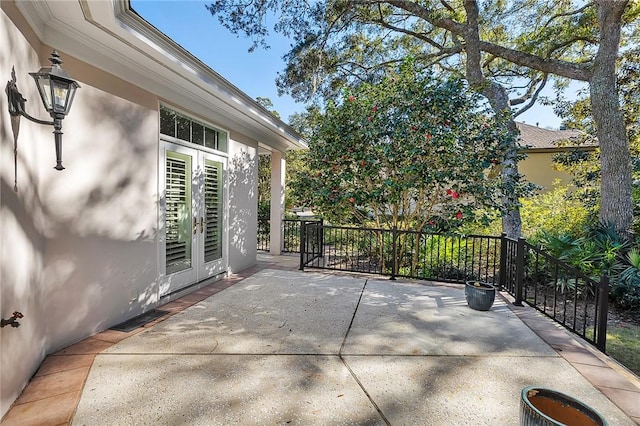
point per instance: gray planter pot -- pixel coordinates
(546, 407)
(479, 295)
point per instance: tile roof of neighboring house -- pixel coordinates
(535, 137)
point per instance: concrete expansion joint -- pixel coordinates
(353, 317)
(348, 367)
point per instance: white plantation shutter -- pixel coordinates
(178, 212)
(213, 210)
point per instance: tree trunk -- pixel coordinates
(511, 221)
(616, 204)
(499, 101)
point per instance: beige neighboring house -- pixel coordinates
(541, 145)
(159, 195)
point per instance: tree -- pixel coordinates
(264, 167)
(585, 166)
(295, 160)
(268, 105)
(408, 151)
(522, 38)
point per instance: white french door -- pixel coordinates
(194, 216)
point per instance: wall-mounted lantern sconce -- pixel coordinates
(56, 89)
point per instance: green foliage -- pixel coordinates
(625, 288)
(584, 168)
(296, 163)
(524, 44)
(552, 212)
(264, 184)
(595, 253)
(268, 105)
(264, 209)
(406, 151)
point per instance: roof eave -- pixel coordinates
(111, 36)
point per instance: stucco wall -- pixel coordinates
(78, 247)
(243, 202)
(101, 227)
(538, 167)
(22, 239)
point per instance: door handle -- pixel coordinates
(201, 224)
(195, 225)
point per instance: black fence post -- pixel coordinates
(394, 252)
(519, 272)
(321, 237)
(603, 313)
(303, 233)
(502, 274)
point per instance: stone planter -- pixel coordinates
(479, 295)
(546, 407)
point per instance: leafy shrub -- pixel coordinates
(264, 209)
(595, 253)
(553, 213)
(625, 289)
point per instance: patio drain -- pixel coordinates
(139, 321)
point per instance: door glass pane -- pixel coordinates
(184, 128)
(178, 212)
(213, 210)
(167, 122)
(222, 142)
(211, 138)
(197, 133)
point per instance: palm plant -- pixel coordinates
(626, 286)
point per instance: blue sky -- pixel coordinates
(189, 24)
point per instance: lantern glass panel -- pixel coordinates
(60, 93)
(73, 86)
(44, 87)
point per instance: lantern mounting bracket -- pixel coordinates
(56, 90)
(16, 101)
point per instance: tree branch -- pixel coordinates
(548, 66)
(408, 32)
(533, 99)
(448, 6)
(574, 12)
(421, 12)
(570, 70)
(566, 43)
(531, 86)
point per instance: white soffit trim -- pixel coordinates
(109, 35)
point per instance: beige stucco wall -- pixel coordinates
(538, 167)
(79, 248)
(22, 239)
(243, 202)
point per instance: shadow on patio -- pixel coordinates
(289, 347)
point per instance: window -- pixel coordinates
(184, 128)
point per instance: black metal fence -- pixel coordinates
(407, 254)
(559, 290)
(576, 301)
(290, 234)
(264, 233)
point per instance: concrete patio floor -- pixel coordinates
(288, 347)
